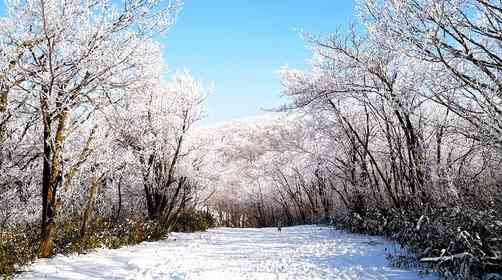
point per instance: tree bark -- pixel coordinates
(52, 170)
(89, 207)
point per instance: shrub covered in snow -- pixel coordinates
(455, 241)
(19, 244)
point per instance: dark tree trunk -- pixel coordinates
(52, 170)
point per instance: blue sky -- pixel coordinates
(238, 45)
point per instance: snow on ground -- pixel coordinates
(302, 252)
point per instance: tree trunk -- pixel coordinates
(119, 208)
(89, 207)
(3, 113)
(51, 178)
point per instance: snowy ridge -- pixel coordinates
(301, 252)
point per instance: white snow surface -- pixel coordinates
(301, 252)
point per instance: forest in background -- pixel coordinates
(395, 130)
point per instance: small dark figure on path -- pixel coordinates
(279, 226)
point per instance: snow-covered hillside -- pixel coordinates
(302, 252)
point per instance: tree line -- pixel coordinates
(394, 130)
(91, 133)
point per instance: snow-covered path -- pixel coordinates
(302, 252)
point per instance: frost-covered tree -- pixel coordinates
(153, 130)
(461, 40)
(71, 58)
